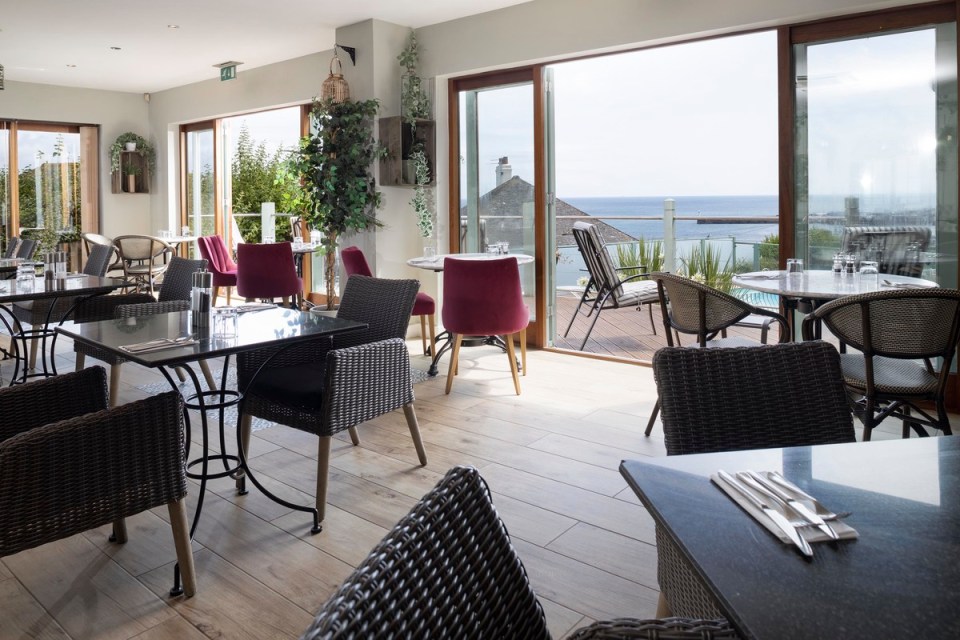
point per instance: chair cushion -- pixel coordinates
(638, 292)
(424, 305)
(298, 386)
(890, 375)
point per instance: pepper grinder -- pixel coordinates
(200, 298)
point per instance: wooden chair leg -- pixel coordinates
(411, 415)
(229, 289)
(114, 383)
(663, 607)
(433, 334)
(181, 376)
(208, 375)
(323, 468)
(423, 333)
(181, 542)
(512, 354)
(81, 361)
(119, 531)
(246, 424)
(653, 419)
(523, 350)
(454, 356)
(354, 436)
(216, 294)
(33, 353)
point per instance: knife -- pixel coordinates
(796, 505)
(775, 516)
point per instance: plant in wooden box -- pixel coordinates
(141, 146)
(131, 171)
(422, 201)
(329, 179)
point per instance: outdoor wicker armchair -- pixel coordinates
(758, 397)
(894, 331)
(325, 387)
(69, 464)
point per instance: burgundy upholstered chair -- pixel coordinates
(214, 250)
(354, 263)
(266, 271)
(484, 298)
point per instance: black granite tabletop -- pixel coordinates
(74, 284)
(901, 578)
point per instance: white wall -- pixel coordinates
(116, 113)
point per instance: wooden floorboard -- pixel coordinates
(549, 455)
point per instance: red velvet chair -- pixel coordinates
(214, 250)
(354, 263)
(484, 298)
(266, 271)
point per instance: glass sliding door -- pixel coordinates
(199, 180)
(498, 174)
(875, 158)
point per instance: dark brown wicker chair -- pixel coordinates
(694, 308)
(69, 464)
(449, 570)
(893, 330)
(606, 289)
(174, 296)
(658, 629)
(325, 388)
(742, 398)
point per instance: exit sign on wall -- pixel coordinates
(228, 73)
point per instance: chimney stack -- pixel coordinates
(504, 172)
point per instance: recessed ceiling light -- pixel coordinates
(173, 26)
(115, 48)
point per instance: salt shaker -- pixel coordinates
(201, 297)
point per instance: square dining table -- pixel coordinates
(899, 579)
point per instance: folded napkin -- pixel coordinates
(158, 345)
(902, 285)
(255, 306)
(759, 276)
(809, 533)
(424, 260)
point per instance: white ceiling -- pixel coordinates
(41, 39)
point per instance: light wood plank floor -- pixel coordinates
(549, 455)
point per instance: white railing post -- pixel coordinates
(268, 222)
(669, 237)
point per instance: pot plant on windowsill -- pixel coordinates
(328, 178)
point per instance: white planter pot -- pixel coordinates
(130, 146)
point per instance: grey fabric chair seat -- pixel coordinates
(636, 293)
(890, 375)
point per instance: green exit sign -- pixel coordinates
(228, 73)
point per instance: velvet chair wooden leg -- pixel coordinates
(512, 354)
(229, 289)
(411, 415)
(181, 542)
(216, 294)
(114, 384)
(354, 436)
(433, 334)
(454, 356)
(323, 468)
(423, 332)
(81, 361)
(523, 350)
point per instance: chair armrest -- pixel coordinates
(99, 308)
(27, 406)
(150, 308)
(365, 381)
(77, 474)
(673, 628)
(249, 362)
(784, 327)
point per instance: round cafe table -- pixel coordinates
(819, 286)
(435, 264)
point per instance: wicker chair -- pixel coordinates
(13, 243)
(174, 296)
(144, 258)
(26, 248)
(606, 289)
(742, 398)
(449, 570)
(69, 464)
(325, 387)
(694, 308)
(91, 240)
(893, 330)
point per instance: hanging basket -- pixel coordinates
(335, 88)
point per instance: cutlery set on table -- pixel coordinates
(783, 508)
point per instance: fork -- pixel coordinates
(821, 510)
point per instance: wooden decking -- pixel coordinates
(624, 333)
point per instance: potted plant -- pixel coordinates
(328, 177)
(131, 171)
(141, 146)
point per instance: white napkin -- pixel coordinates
(256, 306)
(902, 285)
(770, 276)
(157, 345)
(810, 533)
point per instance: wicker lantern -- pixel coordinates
(335, 87)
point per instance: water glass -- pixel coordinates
(225, 322)
(25, 277)
(869, 272)
(504, 248)
(493, 249)
(429, 252)
(794, 266)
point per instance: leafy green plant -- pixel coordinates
(131, 169)
(640, 254)
(414, 102)
(422, 201)
(703, 265)
(329, 178)
(143, 147)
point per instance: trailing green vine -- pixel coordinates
(414, 102)
(143, 147)
(422, 201)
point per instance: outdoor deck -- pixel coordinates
(624, 333)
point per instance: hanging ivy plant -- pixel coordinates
(422, 201)
(414, 102)
(142, 146)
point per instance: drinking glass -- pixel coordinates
(225, 322)
(794, 266)
(493, 249)
(869, 272)
(25, 277)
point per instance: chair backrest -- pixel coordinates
(27, 248)
(691, 307)
(759, 397)
(214, 250)
(897, 249)
(13, 243)
(594, 252)
(141, 248)
(266, 270)
(178, 279)
(354, 262)
(446, 570)
(383, 304)
(907, 324)
(98, 260)
(90, 240)
(483, 297)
